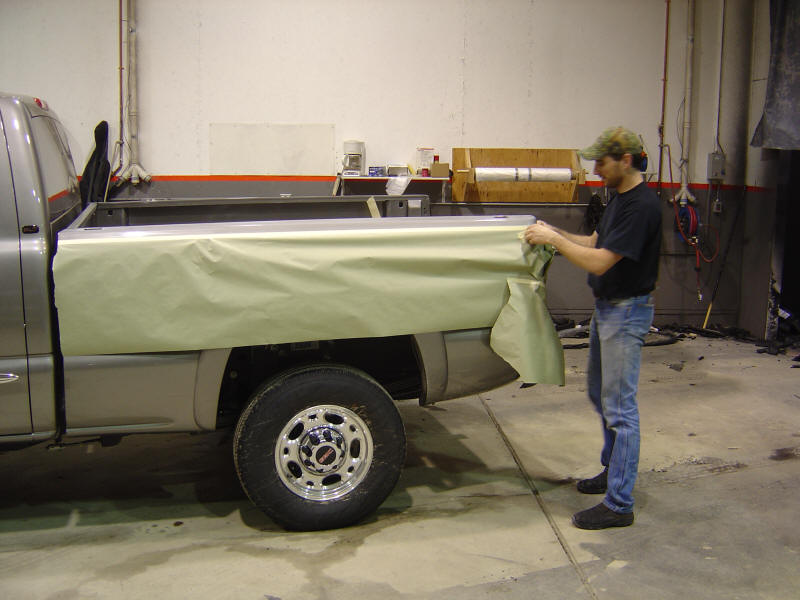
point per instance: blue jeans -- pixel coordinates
(615, 351)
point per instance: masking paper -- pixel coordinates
(524, 174)
(191, 287)
(524, 335)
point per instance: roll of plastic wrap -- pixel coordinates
(522, 174)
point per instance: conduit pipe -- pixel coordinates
(663, 104)
(119, 144)
(684, 194)
(134, 171)
(717, 145)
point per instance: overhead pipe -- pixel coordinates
(684, 195)
(134, 171)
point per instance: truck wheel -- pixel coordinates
(319, 447)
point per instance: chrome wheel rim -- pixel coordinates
(323, 452)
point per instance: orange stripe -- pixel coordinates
(331, 178)
(693, 186)
(60, 194)
(244, 178)
(237, 177)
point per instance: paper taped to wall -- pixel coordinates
(271, 149)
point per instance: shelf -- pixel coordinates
(433, 187)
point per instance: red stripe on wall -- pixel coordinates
(332, 178)
(244, 178)
(692, 186)
(60, 194)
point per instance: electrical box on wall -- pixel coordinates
(716, 166)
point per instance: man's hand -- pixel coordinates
(540, 233)
(580, 250)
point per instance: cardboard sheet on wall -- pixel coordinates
(271, 149)
(170, 288)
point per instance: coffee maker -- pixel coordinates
(354, 158)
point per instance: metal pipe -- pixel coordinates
(121, 137)
(663, 104)
(134, 171)
(117, 154)
(719, 86)
(684, 194)
(717, 146)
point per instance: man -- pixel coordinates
(621, 257)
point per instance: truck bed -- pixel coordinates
(162, 211)
(189, 286)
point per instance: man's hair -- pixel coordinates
(637, 160)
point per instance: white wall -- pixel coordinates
(65, 53)
(446, 73)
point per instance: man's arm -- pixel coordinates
(590, 241)
(574, 247)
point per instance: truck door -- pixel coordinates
(15, 411)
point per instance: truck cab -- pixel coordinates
(39, 200)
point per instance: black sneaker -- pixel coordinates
(601, 517)
(595, 485)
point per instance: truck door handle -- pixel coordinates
(8, 377)
(30, 229)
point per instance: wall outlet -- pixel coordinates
(716, 167)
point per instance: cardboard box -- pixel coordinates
(440, 169)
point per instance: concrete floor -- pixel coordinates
(482, 509)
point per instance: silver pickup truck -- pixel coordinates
(318, 440)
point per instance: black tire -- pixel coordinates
(319, 447)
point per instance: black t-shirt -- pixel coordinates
(630, 226)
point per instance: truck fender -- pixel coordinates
(432, 360)
(210, 371)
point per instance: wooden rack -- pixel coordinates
(466, 189)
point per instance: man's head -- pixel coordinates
(617, 154)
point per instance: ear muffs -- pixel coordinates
(639, 161)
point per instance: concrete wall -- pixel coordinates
(396, 75)
(759, 268)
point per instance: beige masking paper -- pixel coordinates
(126, 292)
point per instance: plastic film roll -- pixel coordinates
(522, 174)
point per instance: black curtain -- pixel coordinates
(95, 175)
(780, 124)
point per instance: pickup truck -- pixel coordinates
(318, 442)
